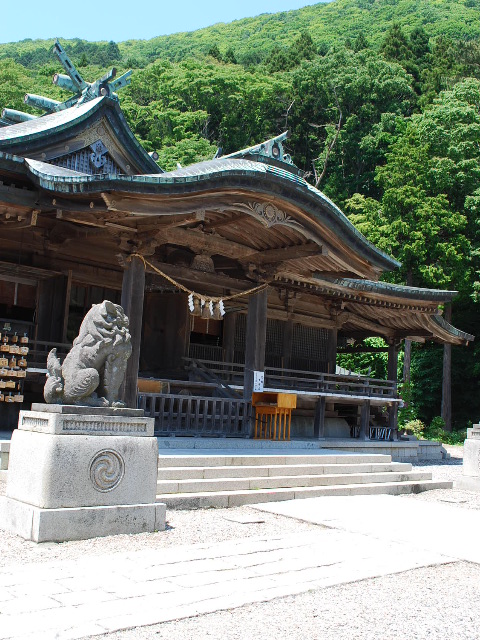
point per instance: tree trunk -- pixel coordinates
(407, 361)
(407, 358)
(447, 377)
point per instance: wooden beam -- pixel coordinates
(273, 256)
(198, 241)
(73, 205)
(12, 195)
(351, 318)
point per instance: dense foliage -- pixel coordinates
(382, 99)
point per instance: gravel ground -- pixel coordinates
(433, 603)
(439, 603)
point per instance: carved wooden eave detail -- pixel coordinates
(14, 219)
(268, 214)
(143, 244)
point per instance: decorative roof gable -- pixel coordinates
(87, 133)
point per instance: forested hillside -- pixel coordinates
(382, 99)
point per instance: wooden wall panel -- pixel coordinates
(166, 333)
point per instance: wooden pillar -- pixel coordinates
(229, 337)
(392, 360)
(68, 293)
(319, 421)
(393, 416)
(287, 343)
(332, 351)
(392, 374)
(52, 303)
(133, 288)
(447, 377)
(365, 421)
(256, 334)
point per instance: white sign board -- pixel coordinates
(258, 381)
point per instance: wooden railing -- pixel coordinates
(205, 351)
(39, 350)
(293, 379)
(180, 415)
(381, 433)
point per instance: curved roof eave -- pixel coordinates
(16, 137)
(445, 328)
(221, 174)
(387, 289)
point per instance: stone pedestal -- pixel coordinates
(81, 472)
(471, 460)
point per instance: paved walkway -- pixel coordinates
(371, 536)
(428, 526)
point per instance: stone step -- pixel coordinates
(224, 499)
(246, 471)
(219, 460)
(276, 482)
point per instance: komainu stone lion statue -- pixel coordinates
(94, 368)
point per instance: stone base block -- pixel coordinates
(65, 471)
(82, 523)
(471, 457)
(468, 483)
(4, 454)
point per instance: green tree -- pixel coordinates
(229, 56)
(15, 81)
(428, 218)
(214, 51)
(364, 88)
(396, 46)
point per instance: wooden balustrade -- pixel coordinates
(295, 380)
(181, 415)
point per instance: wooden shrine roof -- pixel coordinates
(77, 187)
(63, 133)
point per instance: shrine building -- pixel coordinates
(236, 273)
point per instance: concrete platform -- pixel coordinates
(399, 450)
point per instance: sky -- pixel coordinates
(119, 20)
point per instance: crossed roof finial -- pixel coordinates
(83, 91)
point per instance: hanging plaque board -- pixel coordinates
(258, 381)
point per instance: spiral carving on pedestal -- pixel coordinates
(107, 469)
